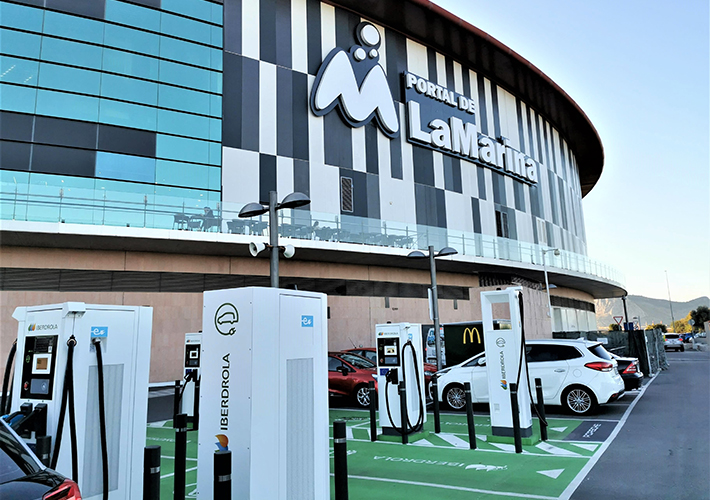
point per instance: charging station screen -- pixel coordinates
(39, 386)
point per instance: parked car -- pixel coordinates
(349, 375)
(22, 475)
(673, 341)
(687, 337)
(630, 371)
(371, 354)
(577, 374)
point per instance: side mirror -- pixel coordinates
(344, 370)
(482, 361)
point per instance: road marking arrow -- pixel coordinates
(554, 473)
(586, 446)
(558, 429)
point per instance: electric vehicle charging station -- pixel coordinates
(264, 393)
(503, 356)
(400, 356)
(191, 372)
(123, 334)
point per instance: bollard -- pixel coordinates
(42, 448)
(516, 418)
(541, 409)
(469, 416)
(340, 460)
(151, 473)
(176, 401)
(434, 384)
(403, 411)
(196, 406)
(222, 474)
(373, 414)
(180, 424)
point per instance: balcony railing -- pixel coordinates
(116, 208)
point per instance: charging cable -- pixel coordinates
(525, 358)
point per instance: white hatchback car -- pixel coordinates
(577, 374)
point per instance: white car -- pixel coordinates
(577, 374)
(673, 341)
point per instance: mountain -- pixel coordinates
(647, 309)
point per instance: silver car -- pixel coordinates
(673, 341)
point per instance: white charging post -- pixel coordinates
(393, 361)
(191, 370)
(264, 393)
(502, 362)
(125, 337)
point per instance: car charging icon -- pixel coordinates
(226, 319)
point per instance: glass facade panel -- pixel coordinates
(215, 153)
(15, 98)
(215, 82)
(174, 173)
(58, 77)
(129, 89)
(215, 130)
(77, 28)
(132, 15)
(185, 76)
(216, 105)
(216, 36)
(191, 8)
(180, 50)
(19, 44)
(215, 178)
(128, 115)
(64, 105)
(131, 39)
(217, 14)
(124, 167)
(179, 148)
(216, 59)
(185, 28)
(20, 16)
(73, 53)
(184, 99)
(22, 71)
(172, 122)
(127, 64)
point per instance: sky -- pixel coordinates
(640, 71)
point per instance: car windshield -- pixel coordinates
(15, 460)
(600, 352)
(357, 361)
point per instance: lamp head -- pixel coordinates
(289, 251)
(294, 200)
(416, 254)
(446, 251)
(255, 248)
(556, 252)
(252, 210)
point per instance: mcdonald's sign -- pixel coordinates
(469, 332)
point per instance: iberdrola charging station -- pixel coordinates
(400, 358)
(102, 352)
(264, 393)
(505, 356)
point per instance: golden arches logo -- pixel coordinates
(469, 332)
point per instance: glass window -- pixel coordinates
(216, 36)
(173, 122)
(74, 53)
(215, 82)
(185, 76)
(183, 51)
(215, 178)
(184, 28)
(217, 14)
(64, 105)
(192, 8)
(133, 15)
(128, 115)
(334, 364)
(20, 71)
(19, 44)
(216, 59)
(19, 16)
(124, 167)
(58, 77)
(215, 130)
(174, 173)
(58, 160)
(74, 27)
(184, 99)
(131, 39)
(179, 148)
(15, 179)
(188, 200)
(215, 153)
(127, 64)
(15, 98)
(15, 155)
(62, 132)
(599, 351)
(215, 105)
(129, 141)
(129, 89)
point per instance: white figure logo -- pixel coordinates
(356, 84)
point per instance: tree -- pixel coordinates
(681, 326)
(613, 327)
(661, 326)
(700, 316)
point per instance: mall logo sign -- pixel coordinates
(356, 84)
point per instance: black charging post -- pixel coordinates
(180, 424)
(403, 411)
(151, 473)
(469, 416)
(373, 409)
(541, 409)
(340, 460)
(42, 448)
(434, 384)
(516, 418)
(196, 406)
(176, 400)
(222, 474)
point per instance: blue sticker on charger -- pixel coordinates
(384, 371)
(99, 332)
(307, 321)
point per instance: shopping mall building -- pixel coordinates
(134, 131)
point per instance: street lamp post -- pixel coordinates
(293, 200)
(417, 254)
(556, 252)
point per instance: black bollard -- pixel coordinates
(340, 460)
(469, 416)
(180, 424)
(403, 411)
(516, 418)
(373, 409)
(42, 449)
(434, 384)
(151, 473)
(541, 409)
(176, 401)
(222, 474)
(196, 406)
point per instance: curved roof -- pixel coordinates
(439, 29)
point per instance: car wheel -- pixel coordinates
(579, 400)
(682, 348)
(362, 396)
(455, 397)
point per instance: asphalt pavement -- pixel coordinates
(663, 449)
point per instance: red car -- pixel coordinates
(349, 375)
(371, 354)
